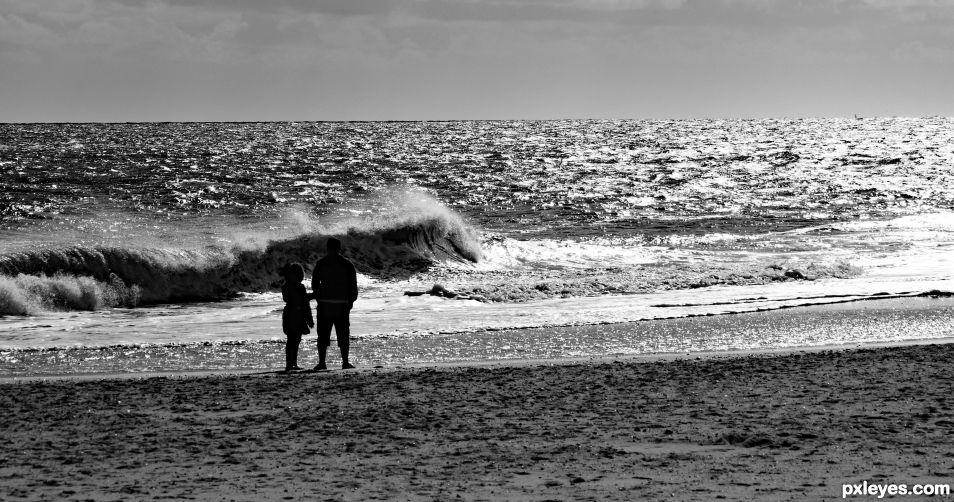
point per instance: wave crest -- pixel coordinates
(92, 277)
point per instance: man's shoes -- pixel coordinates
(320, 367)
(347, 366)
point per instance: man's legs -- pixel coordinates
(322, 353)
(343, 332)
(325, 322)
(333, 315)
(344, 357)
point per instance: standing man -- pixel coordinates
(335, 286)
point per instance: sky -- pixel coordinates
(264, 60)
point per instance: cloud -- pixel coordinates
(505, 57)
(339, 8)
(215, 24)
(111, 30)
(17, 32)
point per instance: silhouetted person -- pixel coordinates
(335, 286)
(296, 316)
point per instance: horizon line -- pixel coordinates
(321, 121)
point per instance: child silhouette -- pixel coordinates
(296, 316)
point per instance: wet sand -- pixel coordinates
(770, 426)
(851, 323)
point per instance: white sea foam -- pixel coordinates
(555, 254)
(258, 317)
(398, 242)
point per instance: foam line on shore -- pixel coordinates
(873, 323)
(503, 363)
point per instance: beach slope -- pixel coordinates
(796, 425)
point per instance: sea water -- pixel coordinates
(168, 237)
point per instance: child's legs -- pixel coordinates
(291, 350)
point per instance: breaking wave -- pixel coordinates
(409, 240)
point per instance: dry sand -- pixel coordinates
(790, 426)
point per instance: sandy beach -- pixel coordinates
(576, 250)
(794, 425)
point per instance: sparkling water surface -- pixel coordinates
(530, 224)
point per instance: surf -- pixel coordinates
(393, 242)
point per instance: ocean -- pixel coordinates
(146, 247)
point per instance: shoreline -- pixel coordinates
(503, 363)
(869, 323)
(763, 426)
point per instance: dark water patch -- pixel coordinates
(92, 277)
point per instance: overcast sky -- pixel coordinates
(157, 60)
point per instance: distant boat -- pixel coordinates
(857, 117)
